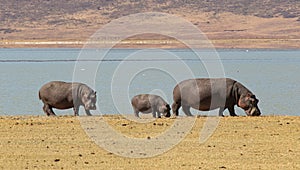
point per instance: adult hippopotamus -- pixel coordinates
(150, 103)
(206, 94)
(63, 95)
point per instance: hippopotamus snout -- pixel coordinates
(90, 106)
(249, 102)
(168, 114)
(165, 110)
(254, 111)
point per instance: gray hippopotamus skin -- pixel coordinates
(149, 103)
(206, 94)
(63, 95)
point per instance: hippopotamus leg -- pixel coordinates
(231, 111)
(154, 113)
(136, 113)
(158, 115)
(48, 110)
(175, 108)
(88, 112)
(76, 110)
(221, 110)
(186, 110)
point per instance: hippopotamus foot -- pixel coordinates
(76, 110)
(51, 114)
(154, 114)
(221, 110)
(231, 111)
(233, 114)
(186, 110)
(158, 115)
(88, 112)
(136, 113)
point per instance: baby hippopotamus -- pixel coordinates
(63, 95)
(150, 103)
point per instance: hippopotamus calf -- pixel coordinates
(62, 95)
(206, 94)
(150, 103)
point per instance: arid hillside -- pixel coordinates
(225, 22)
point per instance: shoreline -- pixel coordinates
(235, 43)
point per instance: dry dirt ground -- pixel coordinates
(40, 142)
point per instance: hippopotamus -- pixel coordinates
(150, 103)
(206, 94)
(64, 95)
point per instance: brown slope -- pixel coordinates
(77, 20)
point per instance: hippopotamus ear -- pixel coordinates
(252, 97)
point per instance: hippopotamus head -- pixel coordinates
(249, 102)
(89, 100)
(165, 110)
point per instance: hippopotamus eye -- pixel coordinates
(254, 101)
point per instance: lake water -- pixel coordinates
(272, 75)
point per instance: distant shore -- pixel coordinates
(243, 43)
(41, 142)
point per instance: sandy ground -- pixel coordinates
(40, 142)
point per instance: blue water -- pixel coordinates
(273, 75)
